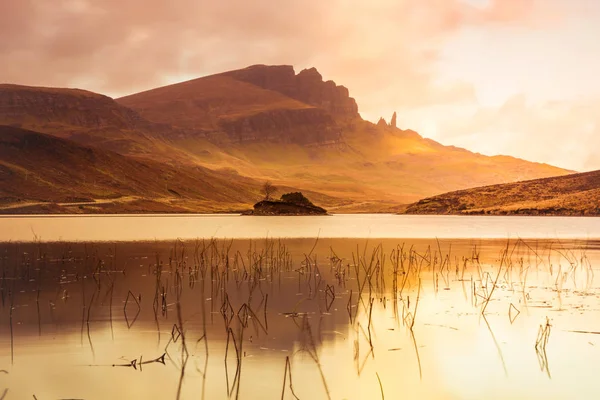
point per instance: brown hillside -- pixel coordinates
(36, 167)
(576, 194)
(86, 118)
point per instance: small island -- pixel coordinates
(294, 203)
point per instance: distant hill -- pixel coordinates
(576, 194)
(87, 118)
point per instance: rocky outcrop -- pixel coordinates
(381, 123)
(393, 121)
(384, 125)
(310, 88)
(290, 204)
(307, 86)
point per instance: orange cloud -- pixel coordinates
(384, 51)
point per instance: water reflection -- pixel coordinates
(300, 318)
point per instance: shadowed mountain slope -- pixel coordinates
(39, 168)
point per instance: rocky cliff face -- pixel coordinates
(300, 126)
(307, 86)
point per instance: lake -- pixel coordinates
(339, 307)
(169, 227)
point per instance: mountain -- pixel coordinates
(247, 126)
(307, 86)
(259, 103)
(43, 173)
(269, 122)
(575, 194)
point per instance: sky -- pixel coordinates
(515, 77)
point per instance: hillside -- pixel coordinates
(87, 118)
(42, 173)
(575, 194)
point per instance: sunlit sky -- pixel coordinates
(516, 77)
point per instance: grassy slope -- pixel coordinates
(576, 194)
(379, 168)
(38, 168)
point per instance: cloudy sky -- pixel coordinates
(517, 77)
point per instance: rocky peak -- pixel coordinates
(393, 121)
(381, 123)
(307, 86)
(310, 75)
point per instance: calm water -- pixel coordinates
(343, 318)
(161, 227)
